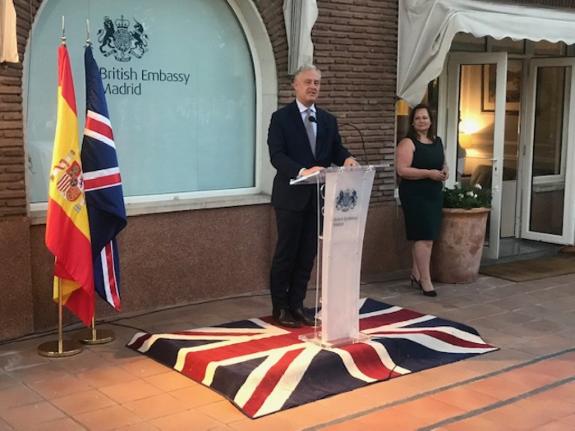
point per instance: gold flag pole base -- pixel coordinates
(59, 348)
(96, 336)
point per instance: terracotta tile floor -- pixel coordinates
(527, 385)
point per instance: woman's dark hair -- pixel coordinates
(411, 133)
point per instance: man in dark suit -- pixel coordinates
(302, 139)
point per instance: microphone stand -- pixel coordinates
(358, 130)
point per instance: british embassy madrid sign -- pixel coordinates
(126, 41)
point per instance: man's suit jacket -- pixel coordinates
(290, 151)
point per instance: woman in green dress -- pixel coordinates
(420, 163)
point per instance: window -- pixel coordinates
(180, 87)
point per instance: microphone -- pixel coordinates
(358, 130)
(311, 119)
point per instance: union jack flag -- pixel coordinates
(103, 186)
(263, 368)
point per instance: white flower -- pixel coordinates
(461, 196)
(470, 193)
(478, 186)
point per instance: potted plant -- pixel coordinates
(457, 252)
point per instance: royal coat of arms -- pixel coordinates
(346, 200)
(116, 38)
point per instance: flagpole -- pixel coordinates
(92, 335)
(60, 318)
(63, 37)
(88, 41)
(60, 348)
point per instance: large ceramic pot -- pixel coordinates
(457, 253)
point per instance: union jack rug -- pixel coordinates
(262, 368)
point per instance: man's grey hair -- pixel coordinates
(305, 68)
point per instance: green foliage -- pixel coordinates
(466, 197)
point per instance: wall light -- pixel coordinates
(401, 107)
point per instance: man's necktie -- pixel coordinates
(309, 129)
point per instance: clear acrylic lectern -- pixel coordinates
(346, 193)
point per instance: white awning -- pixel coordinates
(427, 28)
(8, 40)
(299, 16)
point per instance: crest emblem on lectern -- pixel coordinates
(346, 200)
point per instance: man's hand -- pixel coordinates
(350, 162)
(306, 172)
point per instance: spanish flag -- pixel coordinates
(67, 227)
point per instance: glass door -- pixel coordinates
(547, 207)
(475, 131)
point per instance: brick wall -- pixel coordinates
(272, 15)
(12, 188)
(12, 158)
(356, 48)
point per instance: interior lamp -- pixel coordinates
(465, 140)
(467, 127)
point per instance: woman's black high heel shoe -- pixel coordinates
(431, 293)
(417, 283)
